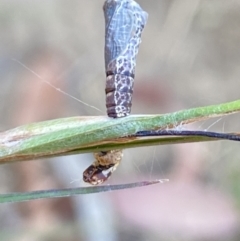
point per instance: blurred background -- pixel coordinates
(189, 57)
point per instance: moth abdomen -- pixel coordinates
(119, 90)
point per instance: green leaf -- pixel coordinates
(27, 196)
(90, 134)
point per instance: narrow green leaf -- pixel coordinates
(87, 134)
(54, 193)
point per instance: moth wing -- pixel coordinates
(120, 26)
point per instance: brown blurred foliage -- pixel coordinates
(189, 56)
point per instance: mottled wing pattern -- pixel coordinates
(124, 21)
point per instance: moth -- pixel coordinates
(124, 22)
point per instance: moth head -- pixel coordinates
(97, 174)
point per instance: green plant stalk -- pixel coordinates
(86, 134)
(54, 193)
